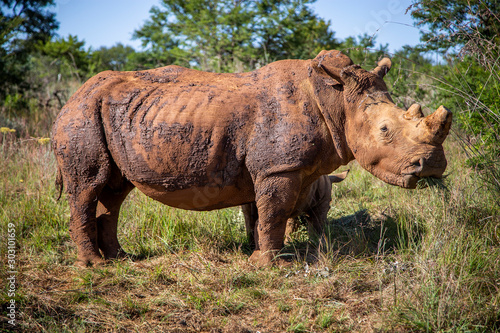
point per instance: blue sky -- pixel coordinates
(107, 22)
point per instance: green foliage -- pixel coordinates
(290, 30)
(23, 24)
(55, 68)
(470, 82)
(147, 59)
(475, 93)
(116, 58)
(361, 50)
(67, 55)
(451, 23)
(227, 35)
(408, 81)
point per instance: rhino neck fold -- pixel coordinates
(334, 117)
(329, 103)
(337, 133)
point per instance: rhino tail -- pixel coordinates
(338, 177)
(59, 183)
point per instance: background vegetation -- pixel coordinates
(393, 260)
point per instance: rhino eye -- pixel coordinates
(383, 128)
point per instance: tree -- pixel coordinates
(23, 24)
(457, 23)
(190, 32)
(112, 58)
(233, 35)
(471, 28)
(68, 54)
(289, 29)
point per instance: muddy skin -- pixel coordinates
(202, 141)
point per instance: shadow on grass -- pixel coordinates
(358, 234)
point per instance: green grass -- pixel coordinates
(394, 260)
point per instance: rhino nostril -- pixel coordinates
(418, 165)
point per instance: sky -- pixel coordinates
(108, 22)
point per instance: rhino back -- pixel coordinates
(173, 128)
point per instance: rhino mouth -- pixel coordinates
(422, 168)
(419, 168)
(410, 181)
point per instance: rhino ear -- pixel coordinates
(331, 76)
(329, 64)
(383, 67)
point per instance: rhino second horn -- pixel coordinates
(383, 67)
(414, 112)
(438, 125)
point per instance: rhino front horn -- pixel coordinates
(383, 67)
(438, 125)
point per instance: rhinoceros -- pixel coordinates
(203, 141)
(314, 208)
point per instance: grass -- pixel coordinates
(393, 260)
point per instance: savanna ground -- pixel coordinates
(392, 260)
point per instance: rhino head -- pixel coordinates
(398, 146)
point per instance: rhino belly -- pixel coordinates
(200, 198)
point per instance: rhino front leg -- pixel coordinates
(276, 197)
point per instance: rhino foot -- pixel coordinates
(268, 258)
(88, 261)
(122, 255)
(95, 261)
(113, 252)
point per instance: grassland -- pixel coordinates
(392, 260)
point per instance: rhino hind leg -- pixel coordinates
(108, 209)
(83, 223)
(84, 164)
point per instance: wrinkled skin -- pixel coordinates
(204, 141)
(314, 208)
